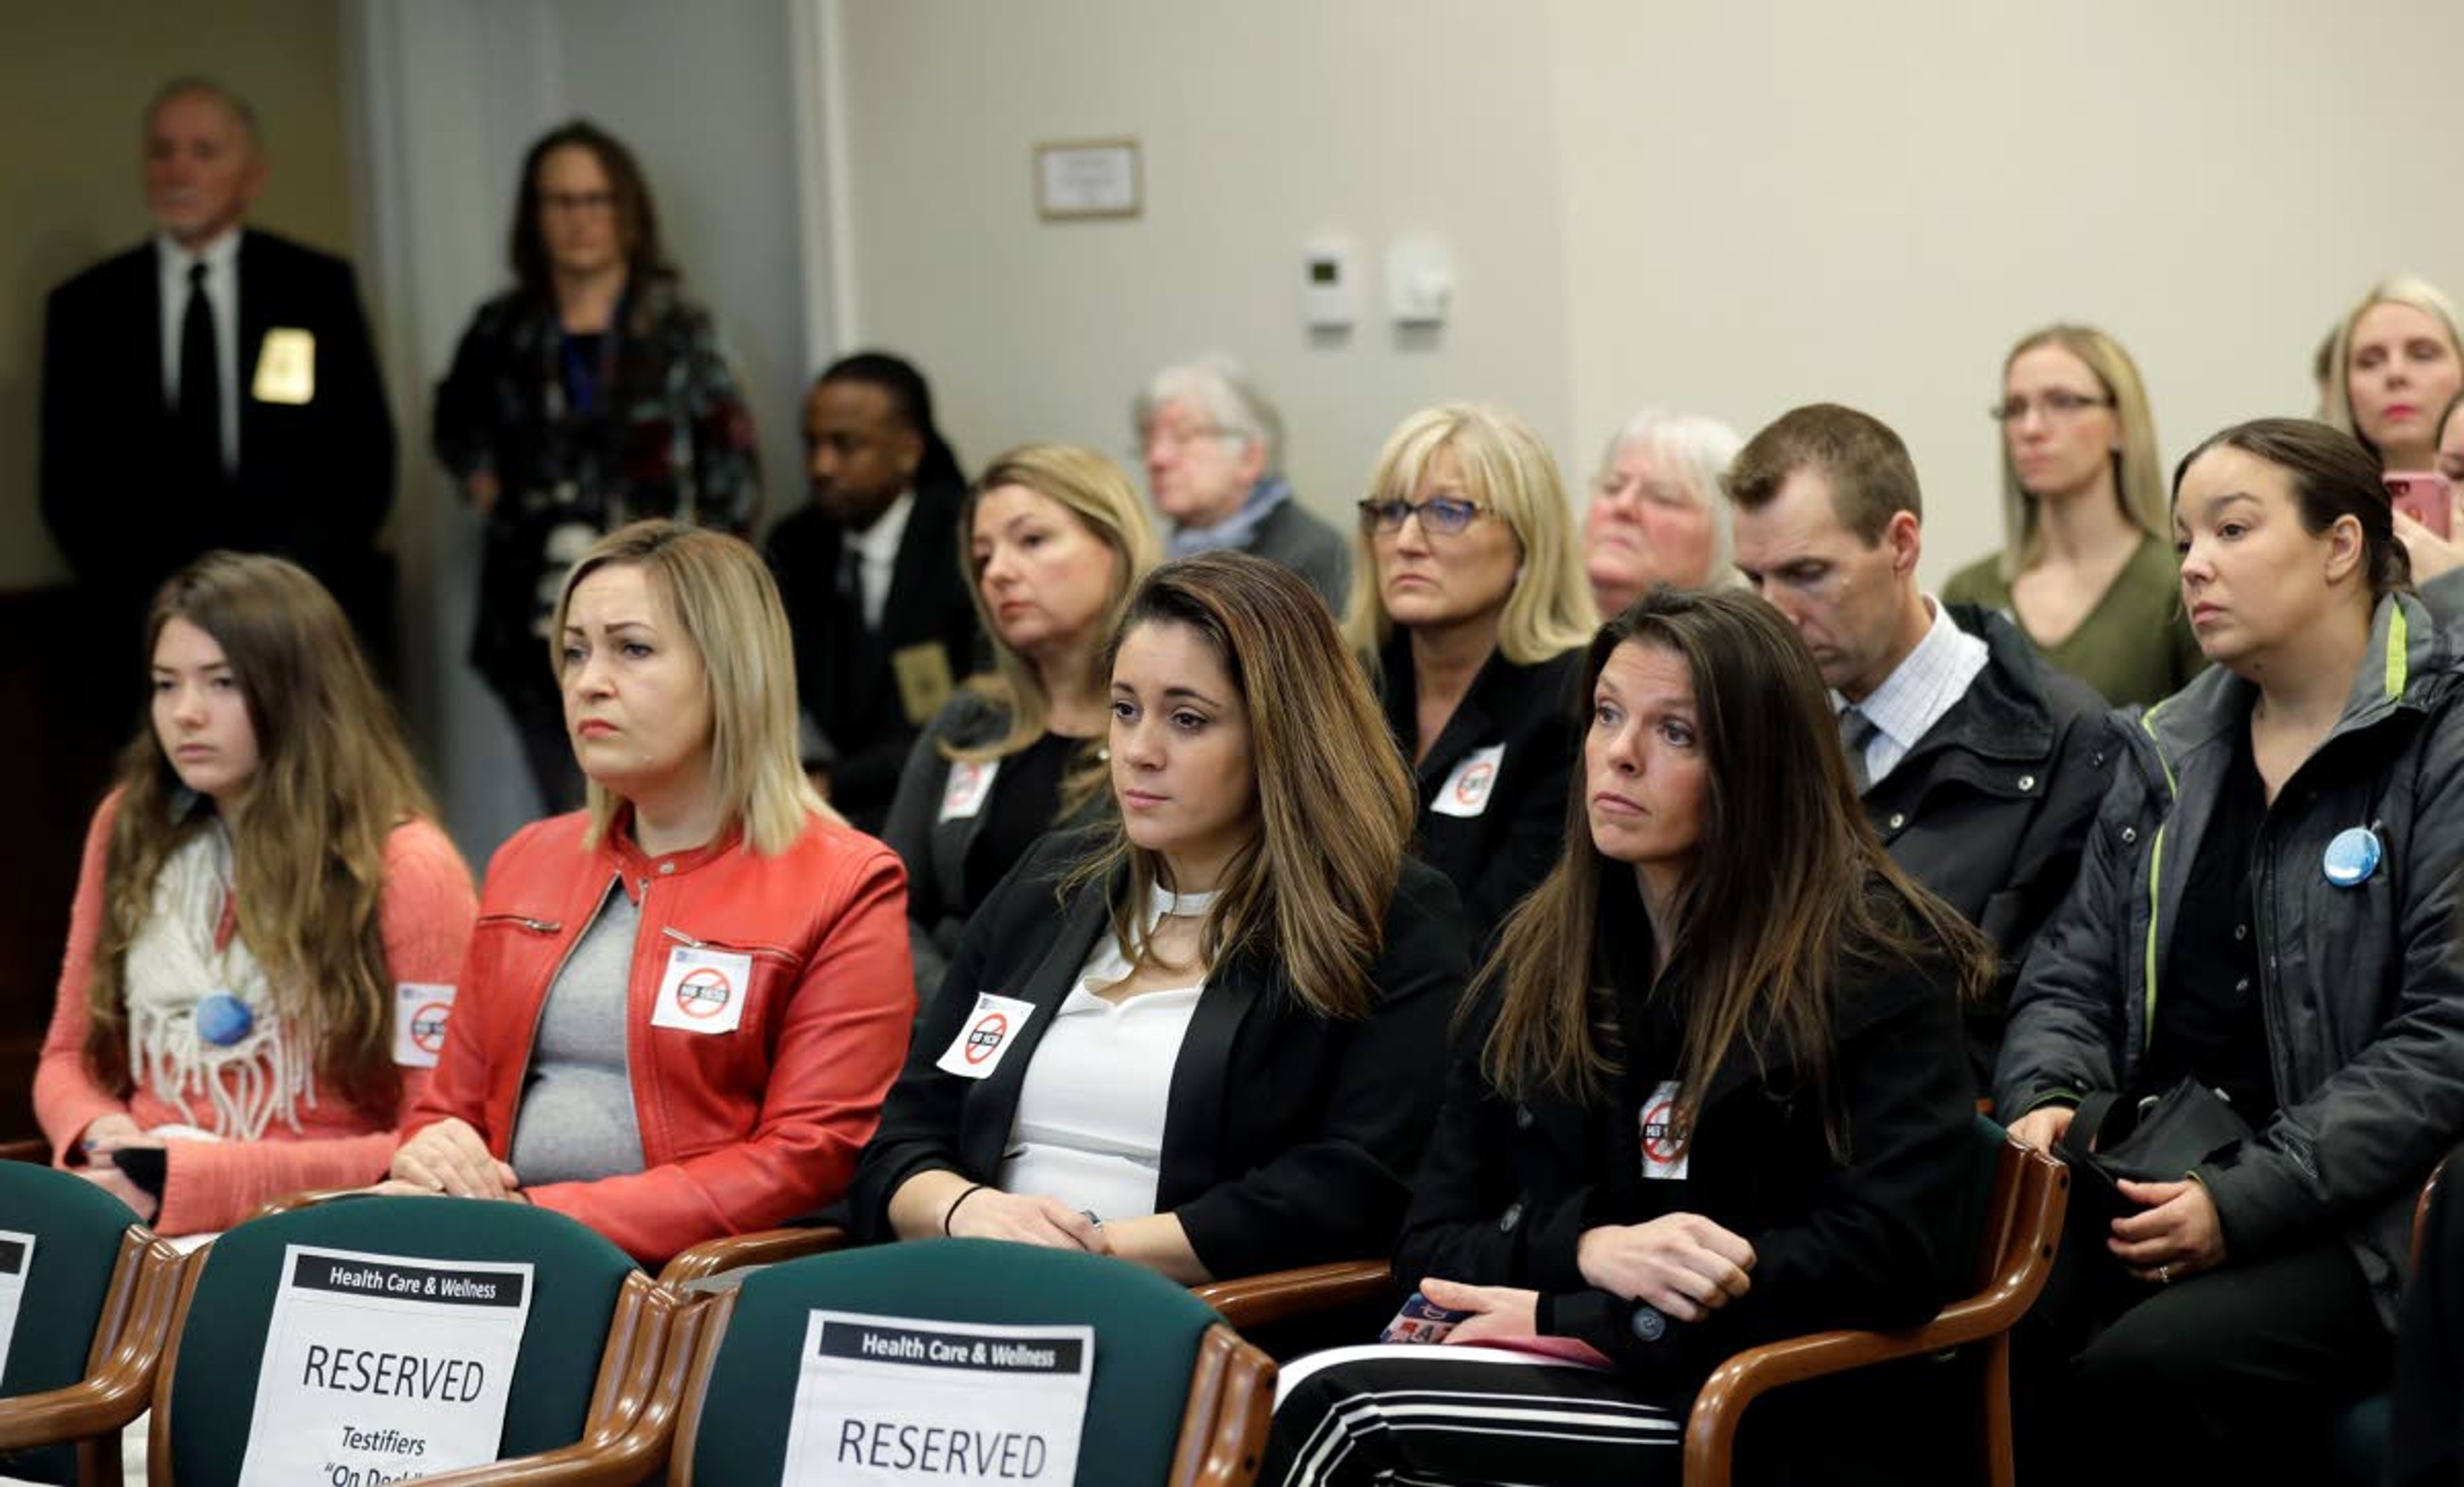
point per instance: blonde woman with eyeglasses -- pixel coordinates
(2087, 565)
(1471, 613)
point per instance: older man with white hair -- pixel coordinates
(1214, 456)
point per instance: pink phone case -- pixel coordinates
(2423, 495)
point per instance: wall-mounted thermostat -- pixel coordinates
(1420, 281)
(1329, 290)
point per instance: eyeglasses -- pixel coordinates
(1444, 516)
(578, 201)
(2052, 405)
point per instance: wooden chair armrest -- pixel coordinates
(1711, 1428)
(762, 1247)
(121, 1384)
(305, 1198)
(1255, 1301)
(93, 1406)
(30, 1148)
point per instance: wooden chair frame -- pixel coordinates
(119, 1370)
(624, 1433)
(2022, 1230)
(762, 1247)
(1257, 1301)
(1222, 1429)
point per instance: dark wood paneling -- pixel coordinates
(73, 696)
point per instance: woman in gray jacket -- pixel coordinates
(2267, 906)
(1053, 537)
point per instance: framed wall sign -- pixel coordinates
(1088, 178)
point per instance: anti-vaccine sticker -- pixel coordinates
(1466, 791)
(380, 1368)
(1664, 1156)
(971, 780)
(420, 1010)
(703, 990)
(893, 1399)
(991, 1027)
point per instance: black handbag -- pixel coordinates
(2156, 1140)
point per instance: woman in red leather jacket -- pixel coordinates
(684, 1004)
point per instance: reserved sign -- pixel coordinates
(16, 1257)
(891, 1399)
(380, 1368)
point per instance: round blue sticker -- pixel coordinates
(2352, 857)
(223, 1019)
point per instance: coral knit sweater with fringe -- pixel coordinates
(426, 916)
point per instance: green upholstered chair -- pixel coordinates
(90, 1326)
(2016, 1217)
(583, 1405)
(1176, 1396)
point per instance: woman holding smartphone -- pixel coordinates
(1710, 1091)
(267, 922)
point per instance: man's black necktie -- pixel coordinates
(201, 390)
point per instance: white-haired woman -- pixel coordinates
(1656, 515)
(1213, 446)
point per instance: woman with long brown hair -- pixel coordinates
(1711, 1089)
(1206, 1035)
(592, 393)
(267, 922)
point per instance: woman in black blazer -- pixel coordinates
(1053, 537)
(1207, 1036)
(1711, 1091)
(1472, 613)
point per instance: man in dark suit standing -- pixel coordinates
(870, 574)
(214, 387)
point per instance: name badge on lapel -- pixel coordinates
(1466, 791)
(984, 1039)
(703, 990)
(923, 674)
(420, 1011)
(971, 780)
(1664, 1159)
(286, 367)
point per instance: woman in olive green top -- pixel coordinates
(2088, 570)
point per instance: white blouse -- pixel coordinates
(1089, 1128)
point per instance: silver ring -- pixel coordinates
(2163, 1275)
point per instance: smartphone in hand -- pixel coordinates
(2423, 494)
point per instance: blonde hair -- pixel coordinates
(2138, 468)
(1096, 491)
(2407, 289)
(308, 846)
(1507, 469)
(723, 599)
(1334, 805)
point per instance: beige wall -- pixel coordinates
(73, 80)
(1261, 126)
(1733, 207)
(1770, 203)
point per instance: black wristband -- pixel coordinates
(951, 1211)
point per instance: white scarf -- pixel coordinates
(172, 964)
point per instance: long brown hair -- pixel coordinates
(1336, 806)
(1778, 896)
(333, 780)
(637, 219)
